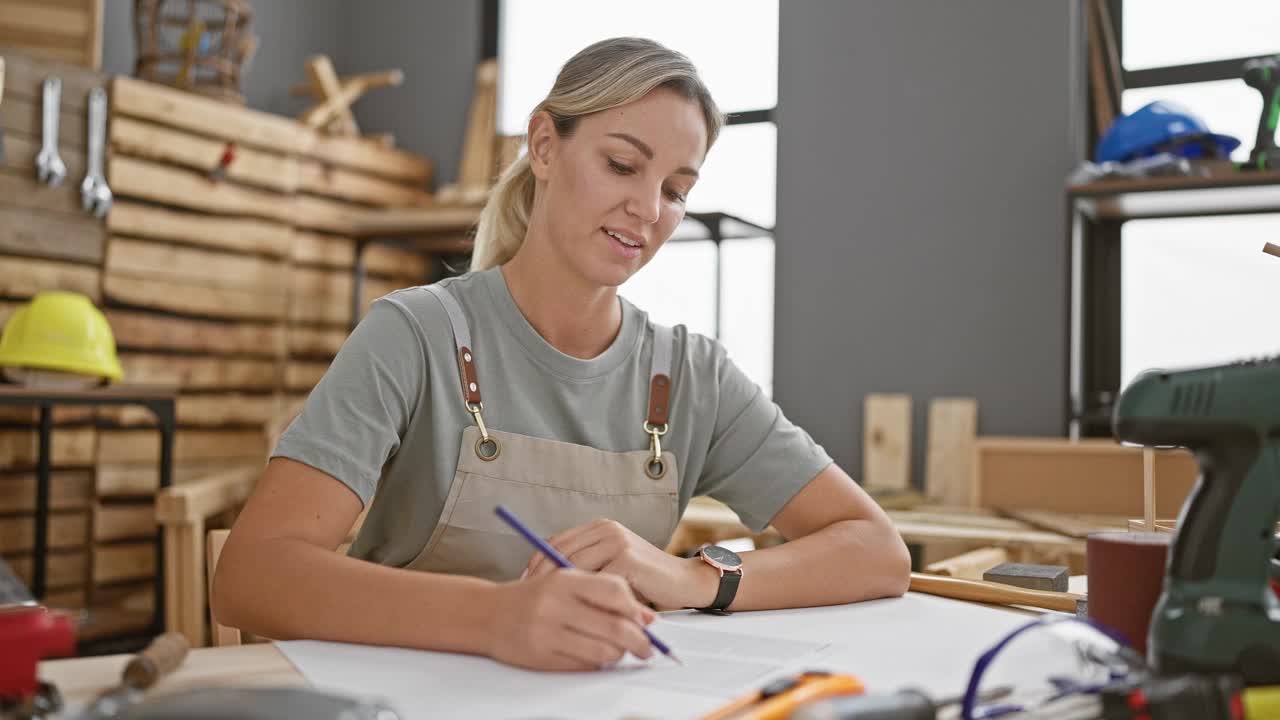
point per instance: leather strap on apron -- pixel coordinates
(486, 447)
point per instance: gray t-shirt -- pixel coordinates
(387, 417)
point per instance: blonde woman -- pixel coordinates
(529, 382)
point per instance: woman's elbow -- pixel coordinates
(226, 593)
(897, 564)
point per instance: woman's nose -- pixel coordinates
(644, 204)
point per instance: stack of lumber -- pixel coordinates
(235, 287)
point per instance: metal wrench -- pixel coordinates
(95, 196)
(50, 169)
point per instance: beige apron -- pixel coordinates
(551, 486)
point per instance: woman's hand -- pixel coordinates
(666, 581)
(567, 620)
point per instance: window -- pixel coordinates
(725, 292)
(1194, 290)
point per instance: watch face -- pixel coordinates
(722, 557)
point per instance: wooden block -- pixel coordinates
(222, 233)
(1033, 577)
(24, 73)
(136, 330)
(157, 143)
(314, 342)
(23, 278)
(64, 569)
(886, 444)
(143, 446)
(343, 184)
(121, 480)
(1098, 477)
(145, 180)
(124, 521)
(205, 116)
(68, 447)
(178, 297)
(971, 564)
(371, 157)
(302, 376)
(65, 530)
(23, 116)
(199, 373)
(204, 411)
(20, 151)
(204, 268)
(953, 427)
(126, 561)
(68, 490)
(331, 251)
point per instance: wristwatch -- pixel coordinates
(730, 567)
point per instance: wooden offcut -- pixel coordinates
(970, 564)
(158, 143)
(138, 330)
(180, 297)
(54, 232)
(953, 428)
(200, 373)
(370, 156)
(146, 180)
(886, 443)
(24, 277)
(207, 268)
(262, 237)
(338, 182)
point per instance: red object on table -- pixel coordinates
(29, 635)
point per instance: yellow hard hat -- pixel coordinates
(60, 331)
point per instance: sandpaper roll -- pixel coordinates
(1126, 574)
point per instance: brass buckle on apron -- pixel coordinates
(486, 440)
(654, 467)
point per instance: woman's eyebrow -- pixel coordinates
(648, 152)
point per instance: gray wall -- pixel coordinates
(922, 152)
(435, 42)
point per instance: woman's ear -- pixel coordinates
(542, 144)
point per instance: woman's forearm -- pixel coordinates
(847, 561)
(286, 588)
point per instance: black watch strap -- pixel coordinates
(725, 595)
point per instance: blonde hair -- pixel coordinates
(601, 76)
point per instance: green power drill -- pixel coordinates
(1218, 611)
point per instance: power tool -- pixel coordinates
(1263, 74)
(1218, 612)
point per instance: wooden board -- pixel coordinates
(65, 530)
(886, 443)
(338, 252)
(22, 277)
(145, 180)
(372, 157)
(953, 428)
(69, 31)
(20, 151)
(1089, 476)
(315, 342)
(135, 330)
(123, 480)
(302, 376)
(330, 251)
(126, 561)
(336, 182)
(68, 447)
(24, 74)
(124, 521)
(158, 143)
(204, 268)
(68, 490)
(218, 410)
(221, 233)
(66, 569)
(179, 297)
(143, 446)
(24, 116)
(395, 262)
(30, 415)
(322, 296)
(69, 235)
(205, 116)
(199, 373)
(140, 596)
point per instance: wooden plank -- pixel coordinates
(412, 222)
(45, 18)
(124, 521)
(30, 415)
(65, 530)
(886, 443)
(70, 235)
(953, 427)
(1061, 523)
(1148, 486)
(65, 56)
(199, 373)
(157, 143)
(971, 564)
(331, 251)
(143, 479)
(203, 411)
(68, 490)
(23, 116)
(64, 569)
(395, 262)
(1078, 477)
(139, 596)
(337, 182)
(24, 73)
(302, 376)
(20, 153)
(23, 278)
(136, 330)
(913, 532)
(191, 503)
(126, 561)
(204, 268)
(315, 342)
(68, 447)
(222, 233)
(143, 446)
(326, 295)
(180, 297)
(370, 156)
(479, 144)
(141, 179)
(69, 599)
(317, 213)
(205, 116)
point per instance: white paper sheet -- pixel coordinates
(918, 640)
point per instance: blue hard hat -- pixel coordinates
(1161, 126)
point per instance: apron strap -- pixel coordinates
(461, 338)
(660, 377)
